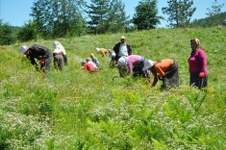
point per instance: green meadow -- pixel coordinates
(77, 110)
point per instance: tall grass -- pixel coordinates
(77, 110)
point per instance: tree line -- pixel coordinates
(61, 18)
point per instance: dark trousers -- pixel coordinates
(198, 82)
(65, 59)
(45, 67)
(138, 68)
(58, 61)
(171, 79)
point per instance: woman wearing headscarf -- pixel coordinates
(60, 50)
(126, 65)
(40, 53)
(89, 65)
(167, 71)
(198, 65)
(134, 64)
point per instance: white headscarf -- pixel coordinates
(58, 48)
(122, 62)
(97, 49)
(23, 49)
(148, 64)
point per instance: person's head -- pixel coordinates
(122, 66)
(97, 49)
(23, 49)
(83, 63)
(148, 64)
(195, 43)
(56, 44)
(88, 59)
(123, 39)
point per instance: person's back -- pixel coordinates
(167, 71)
(60, 50)
(163, 65)
(90, 66)
(38, 51)
(132, 60)
(103, 51)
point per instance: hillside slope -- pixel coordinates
(77, 110)
(216, 20)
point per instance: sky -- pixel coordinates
(17, 12)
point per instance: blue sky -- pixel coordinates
(17, 12)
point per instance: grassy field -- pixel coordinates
(77, 110)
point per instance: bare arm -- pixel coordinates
(155, 77)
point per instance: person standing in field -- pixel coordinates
(165, 70)
(59, 55)
(198, 65)
(59, 48)
(40, 53)
(122, 49)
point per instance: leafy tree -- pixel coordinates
(28, 32)
(98, 12)
(215, 8)
(179, 12)
(6, 34)
(57, 18)
(107, 16)
(146, 15)
(118, 20)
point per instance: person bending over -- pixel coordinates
(40, 53)
(167, 71)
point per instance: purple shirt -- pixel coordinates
(198, 62)
(131, 60)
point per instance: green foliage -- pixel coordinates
(98, 11)
(215, 8)
(117, 20)
(215, 20)
(179, 12)
(58, 18)
(146, 14)
(107, 16)
(77, 110)
(27, 32)
(6, 34)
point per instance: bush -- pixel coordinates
(6, 37)
(28, 32)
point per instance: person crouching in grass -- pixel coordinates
(198, 65)
(40, 53)
(135, 65)
(89, 65)
(167, 71)
(126, 65)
